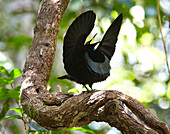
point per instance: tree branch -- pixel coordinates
(57, 110)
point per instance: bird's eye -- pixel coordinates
(88, 43)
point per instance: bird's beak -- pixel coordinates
(91, 41)
(96, 43)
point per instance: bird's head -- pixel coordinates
(91, 44)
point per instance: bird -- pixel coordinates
(83, 62)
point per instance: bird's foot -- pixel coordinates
(88, 90)
(93, 89)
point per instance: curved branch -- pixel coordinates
(58, 110)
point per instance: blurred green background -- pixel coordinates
(138, 65)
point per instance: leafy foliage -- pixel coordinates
(3, 70)
(7, 94)
(11, 117)
(15, 73)
(5, 81)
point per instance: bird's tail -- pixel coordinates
(63, 77)
(66, 77)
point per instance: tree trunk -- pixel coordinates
(57, 110)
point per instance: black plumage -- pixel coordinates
(83, 63)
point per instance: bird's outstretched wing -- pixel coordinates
(76, 35)
(109, 40)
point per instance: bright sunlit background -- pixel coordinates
(138, 65)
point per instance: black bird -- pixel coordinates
(83, 63)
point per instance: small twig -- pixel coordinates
(12, 86)
(25, 127)
(159, 19)
(21, 113)
(23, 120)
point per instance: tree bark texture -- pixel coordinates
(57, 110)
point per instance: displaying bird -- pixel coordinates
(84, 63)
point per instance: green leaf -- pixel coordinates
(5, 93)
(11, 117)
(81, 129)
(5, 108)
(73, 90)
(15, 73)
(3, 70)
(17, 88)
(18, 110)
(8, 93)
(16, 93)
(59, 132)
(31, 131)
(6, 81)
